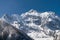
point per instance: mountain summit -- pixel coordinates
(39, 26)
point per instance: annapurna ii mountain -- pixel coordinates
(37, 25)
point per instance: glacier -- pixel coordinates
(37, 25)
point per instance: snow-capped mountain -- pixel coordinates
(39, 26)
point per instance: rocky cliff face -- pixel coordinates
(9, 32)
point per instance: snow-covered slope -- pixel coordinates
(39, 26)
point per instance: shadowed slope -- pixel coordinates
(9, 32)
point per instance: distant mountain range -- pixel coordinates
(39, 26)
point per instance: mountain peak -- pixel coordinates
(32, 10)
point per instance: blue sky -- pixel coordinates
(21, 6)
